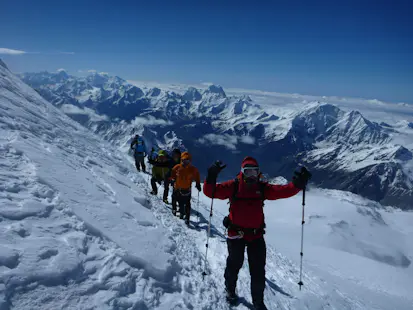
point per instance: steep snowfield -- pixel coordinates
(79, 231)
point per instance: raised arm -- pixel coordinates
(273, 192)
(300, 180)
(220, 190)
(213, 190)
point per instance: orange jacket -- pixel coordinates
(184, 176)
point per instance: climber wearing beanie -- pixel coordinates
(183, 175)
(245, 222)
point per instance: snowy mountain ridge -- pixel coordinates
(344, 149)
(80, 231)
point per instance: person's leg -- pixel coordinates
(166, 189)
(181, 203)
(187, 208)
(174, 202)
(137, 163)
(154, 187)
(235, 259)
(256, 259)
(142, 161)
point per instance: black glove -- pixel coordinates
(213, 172)
(172, 183)
(198, 187)
(300, 179)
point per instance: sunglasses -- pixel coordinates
(250, 171)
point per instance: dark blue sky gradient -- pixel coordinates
(345, 48)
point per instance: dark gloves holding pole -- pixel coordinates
(198, 187)
(213, 172)
(301, 178)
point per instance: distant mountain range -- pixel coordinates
(344, 149)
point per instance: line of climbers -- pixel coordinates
(245, 223)
(175, 170)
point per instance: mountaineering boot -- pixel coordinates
(166, 201)
(187, 221)
(174, 212)
(232, 297)
(181, 216)
(153, 193)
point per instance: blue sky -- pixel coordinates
(344, 48)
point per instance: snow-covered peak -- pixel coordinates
(135, 92)
(97, 79)
(316, 118)
(192, 94)
(215, 89)
(154, 92)
(62, 75)
(354, 128)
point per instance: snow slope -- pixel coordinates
(79, 231)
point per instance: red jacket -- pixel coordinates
(248, 213)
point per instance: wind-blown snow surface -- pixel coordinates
(79, 231)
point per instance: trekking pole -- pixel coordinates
(197, 209)
(300, 283)
(209, 233)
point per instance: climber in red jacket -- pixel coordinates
(245, 222)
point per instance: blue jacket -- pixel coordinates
(139, 146)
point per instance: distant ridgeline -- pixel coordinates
(345, 150)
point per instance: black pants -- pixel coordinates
(140, 161)
(183, 198)
(257, 253)
(155, 180)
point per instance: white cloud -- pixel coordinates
(8, 51)
(61, 69)
(247, 140)
(104, 73)
(93, 116)
(150, 121)
(229, 141)
(91, 71)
